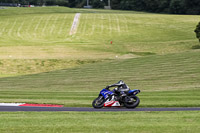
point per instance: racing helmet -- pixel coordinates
(120, 82)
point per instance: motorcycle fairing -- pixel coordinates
(105, 93)
(111, 102)
(134, 92)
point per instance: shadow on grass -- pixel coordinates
(196, 47)
(142, 53)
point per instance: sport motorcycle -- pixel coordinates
(113, 98)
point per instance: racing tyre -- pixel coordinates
(131, 101)
(98, 102)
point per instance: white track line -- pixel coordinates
(75, 24)
(11, 104)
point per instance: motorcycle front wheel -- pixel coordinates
(131, 101)
(98, 102)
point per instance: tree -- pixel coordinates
(115, 4)
(197, 31)
(98, 3)
(192, 6)
(177, 7)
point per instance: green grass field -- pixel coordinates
(40, 62)
(43, 33)
(102, 122)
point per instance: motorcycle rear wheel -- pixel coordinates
(132, 102)
(98, 102)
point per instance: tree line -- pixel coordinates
(38, 2)
(160, 6)
(157, 6)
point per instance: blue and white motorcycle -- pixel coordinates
(112, 98)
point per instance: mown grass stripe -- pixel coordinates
(118, 24)
(19, 30)
(125, 23)
(28, 31)
(110, 25)
(10, 31)
(53, 26)
(102, 23)
(62, 25)
(38, 22)
(85, 24)
(93, 24)
(45, 24)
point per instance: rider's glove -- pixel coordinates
(123, 94)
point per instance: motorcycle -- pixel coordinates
(109, 98)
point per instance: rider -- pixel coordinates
(122, 88)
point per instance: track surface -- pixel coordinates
(18, 108)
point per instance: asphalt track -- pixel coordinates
(77, 109)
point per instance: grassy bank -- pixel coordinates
(43, 33)
(167, 80)
(150, 52)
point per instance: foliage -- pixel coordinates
(177, 7)
(98, 4)
(192, 6)
(165, 6)
(37, 2)
(197, 31)
(160, 6)
(76, 3)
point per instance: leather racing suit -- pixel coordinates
(121, 87)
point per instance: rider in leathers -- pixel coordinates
(122, 88)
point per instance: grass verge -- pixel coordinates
(109, 122)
